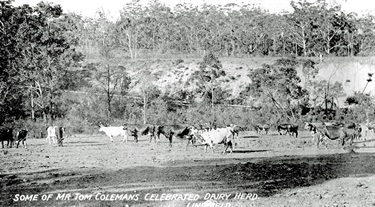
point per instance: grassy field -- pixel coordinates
(267, 170)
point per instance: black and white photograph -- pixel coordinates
(187, 103)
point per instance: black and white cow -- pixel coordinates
(291, 129)
(179, 131)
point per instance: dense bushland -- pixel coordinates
(59, 68)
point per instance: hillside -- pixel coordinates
(174, 74)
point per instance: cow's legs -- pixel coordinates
(212, 146)
(320, 140)
(136, 138)
(59, 142)
(158, 137)
(24, 143)
(170, 139)
(125, 139)
(227, 145)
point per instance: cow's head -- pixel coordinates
(101, 127)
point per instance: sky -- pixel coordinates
(89, 7)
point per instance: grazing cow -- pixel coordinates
(312, 127)
(114, 131)
(262, 128)
(216, 136)
(6, 134)
(177, 130)
(55, 132)
(133, 129)
(21, 137)
(282, 129)
(291, 129)
(343, 133)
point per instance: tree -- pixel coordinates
(44, 50)
(300, 25)
(210, 70)
(10, 58)
(147, 90)
(112, 81)
(324, 93)
(309, 70)
(279, 85)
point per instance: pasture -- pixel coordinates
(279, 170)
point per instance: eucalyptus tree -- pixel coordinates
(10, 59)
(44, 50)
(279, 85)
(300, 25)
(207, 77)
(130, 27)
(364, 37)
(110, 77)
(188, 20)
(329, 27)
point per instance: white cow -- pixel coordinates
(114, 131)
(55, 133)
(51, 134)
(215, 136)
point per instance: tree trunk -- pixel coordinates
(109, 99)
(32, 107)
(144, 107)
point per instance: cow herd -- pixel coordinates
(13, 136)
(207, 135)
(55, 134)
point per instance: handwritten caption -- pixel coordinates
(211, 199)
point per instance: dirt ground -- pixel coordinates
(263, 170)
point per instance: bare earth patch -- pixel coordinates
(266, 170)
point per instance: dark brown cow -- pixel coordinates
(174, 130)
(144, 129)
(6, 134)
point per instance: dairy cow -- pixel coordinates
(6, 134)
(20, 136)
(113, 131)
(216, 136)
(56, 134)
